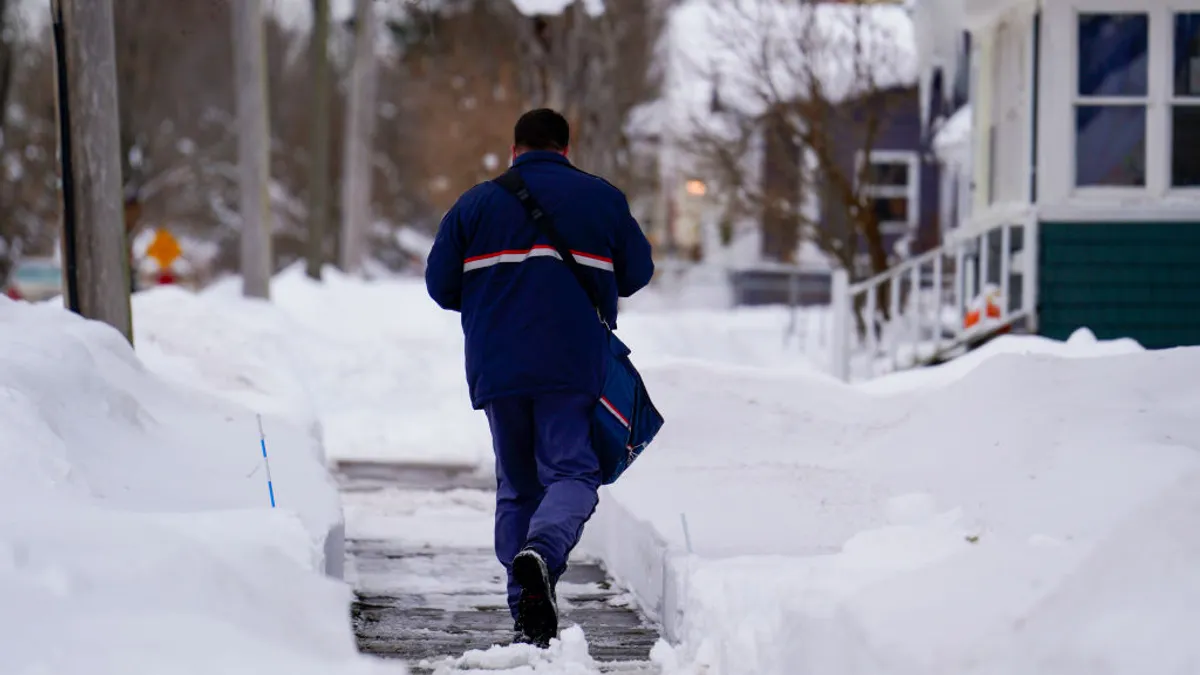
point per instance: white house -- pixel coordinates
(1085, 145)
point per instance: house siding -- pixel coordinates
(1137, 280)
(900, 130)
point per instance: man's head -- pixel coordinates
(541, 129)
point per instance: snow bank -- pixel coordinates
(386, 369)
(229, 346)
(136, 534)
(1022, 509)
(1032, 514)
(1081, 345)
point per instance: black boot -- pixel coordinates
(537, 608)
(519, 636)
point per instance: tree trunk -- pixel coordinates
(360, 127)
(319, 174)
(6, 66)
(253, 147)
(97, 253)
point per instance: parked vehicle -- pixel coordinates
(35, 280)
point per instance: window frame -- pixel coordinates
(1145, 101)
(911, 191)
(1159, 101)
(1172, 101)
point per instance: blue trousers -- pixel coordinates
(547, 475)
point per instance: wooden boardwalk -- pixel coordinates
(424, 604)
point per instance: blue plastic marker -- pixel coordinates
(262, 441)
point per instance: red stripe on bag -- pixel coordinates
(613, 409)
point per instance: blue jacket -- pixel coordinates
(529, 326)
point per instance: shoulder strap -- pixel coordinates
(512, 182)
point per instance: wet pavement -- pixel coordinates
(422, 603)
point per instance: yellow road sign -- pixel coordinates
(165, 249)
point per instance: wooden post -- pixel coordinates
(254, 139)
(96, 252)
(360, 126)
(839, 342)
(318, 171)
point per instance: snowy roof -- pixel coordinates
(952, 140)
(555, 7)
(758, 51)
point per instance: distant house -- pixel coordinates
(901, 177)
(1084, 124)
(741, 81)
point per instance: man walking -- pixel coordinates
(535, 347)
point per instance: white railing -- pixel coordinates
(936, 305)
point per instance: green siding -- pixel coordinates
(1138, 280)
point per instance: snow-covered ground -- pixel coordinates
(1036, 514)
(1023, 509)
(1029, 508)
(136, 533)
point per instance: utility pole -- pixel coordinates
(254, 138)
(318, 170)
(360, 127)
(96, 252)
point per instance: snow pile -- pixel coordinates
(952, 143)
(1027, 508)
(1081, 344)
(1033, 514)
(383, 361)
(227, 345)
(567, 655)
(372, 361)
(556, 7)
(136, 533)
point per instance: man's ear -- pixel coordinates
(566, 151)
(513, 158)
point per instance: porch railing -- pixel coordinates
(932, 307)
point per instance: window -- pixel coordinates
(892, 182)
(1111, 99)
(1185, 102)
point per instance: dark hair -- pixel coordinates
(542, 129)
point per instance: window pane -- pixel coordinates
(1187, 54)
(891, 209)
(1113, 51)
(891, 173)
(1185, 146)
(1110, 145)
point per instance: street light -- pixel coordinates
(696, 188)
